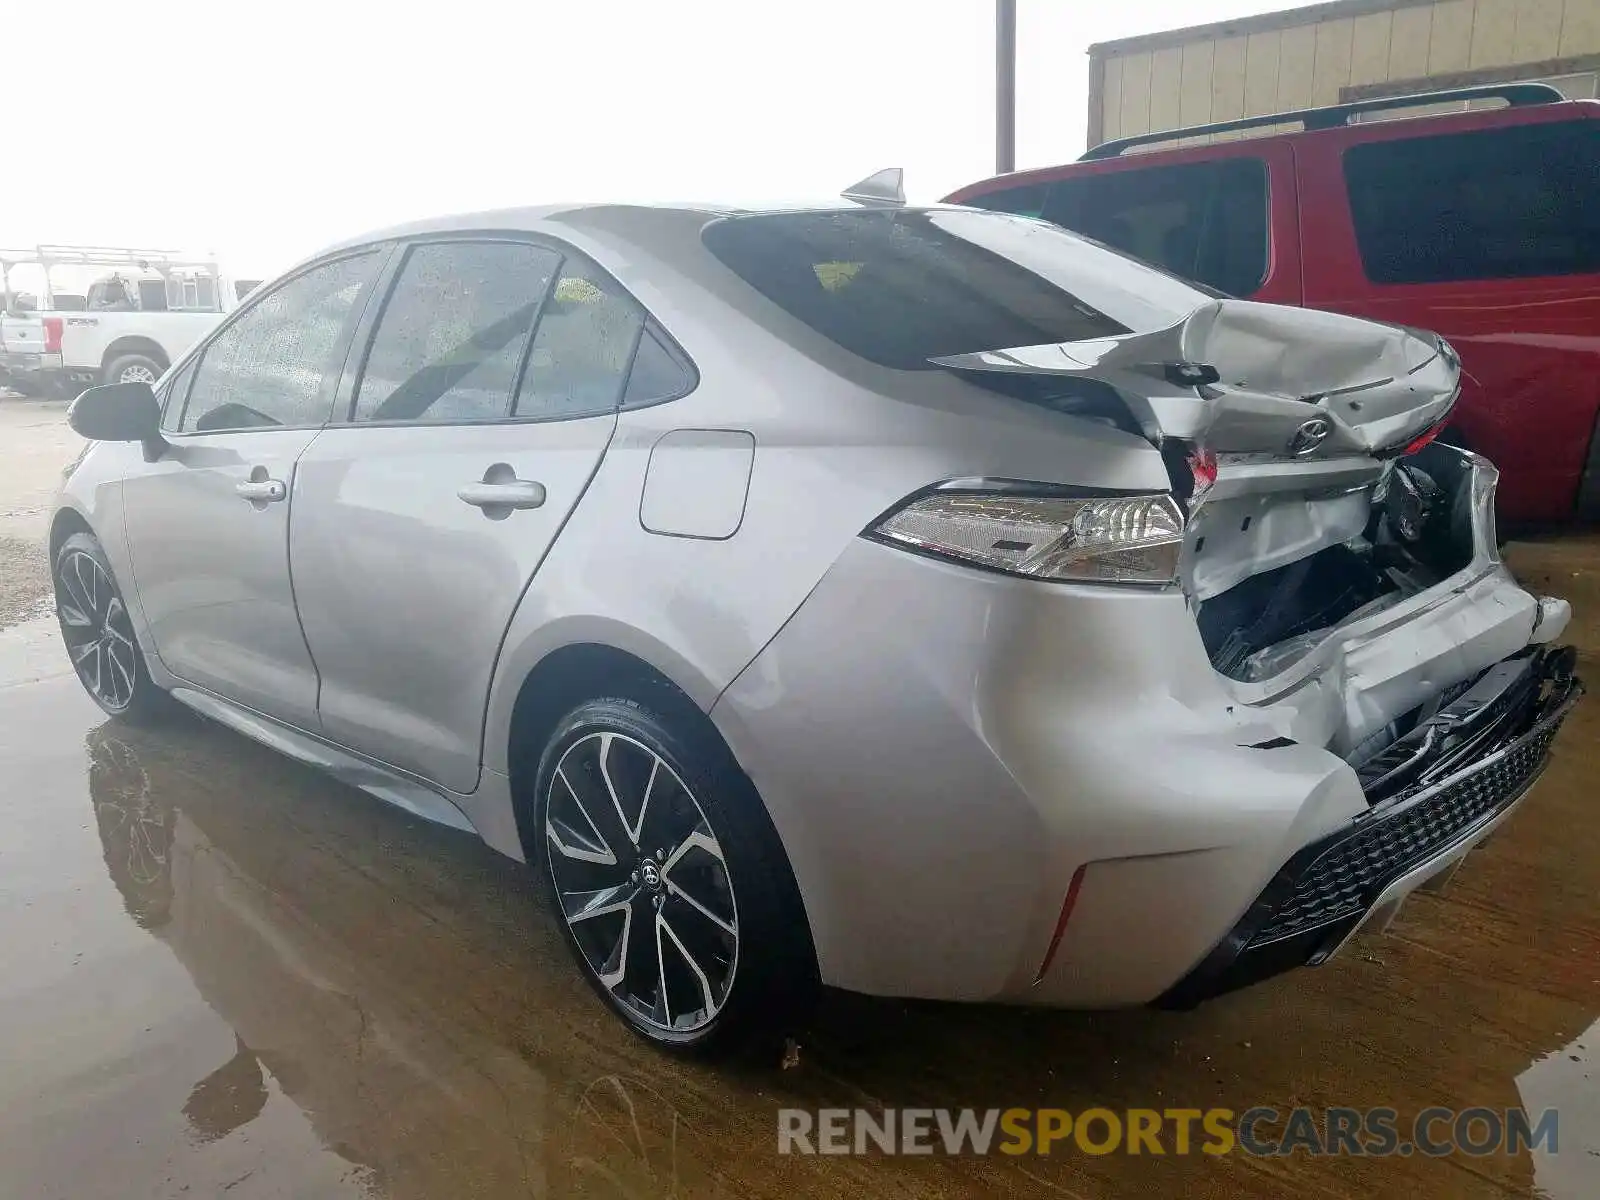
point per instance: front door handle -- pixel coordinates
(500, 491)
(262, 491)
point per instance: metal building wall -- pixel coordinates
(1344, 50)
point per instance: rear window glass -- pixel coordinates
(1492, 204)
(900, 287)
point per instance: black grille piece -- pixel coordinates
(1325, 890)
(1345, 878)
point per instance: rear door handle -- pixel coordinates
(262, 491)
(513, 493)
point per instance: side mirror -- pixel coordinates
(119, 412)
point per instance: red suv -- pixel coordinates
(1480, 224)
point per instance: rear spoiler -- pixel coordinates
(1240, 377)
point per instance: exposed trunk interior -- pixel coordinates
(1417, 532)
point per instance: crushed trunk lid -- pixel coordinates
(1313, 508)
(1262, 379)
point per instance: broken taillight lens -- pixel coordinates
(1413, 446)
(1203, 466)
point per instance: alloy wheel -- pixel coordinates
(136, 373)
(127, 812)
(641, 882)
(98, 632)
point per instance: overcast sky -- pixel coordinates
(261, 131)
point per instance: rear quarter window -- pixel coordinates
(1489, 204)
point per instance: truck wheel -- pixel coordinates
(133, 368)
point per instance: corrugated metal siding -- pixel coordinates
(1285, 65)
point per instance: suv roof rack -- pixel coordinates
(1516, 95)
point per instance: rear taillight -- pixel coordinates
(1203, 467)
(52, 335)
(1044, 535)
(1413, 446)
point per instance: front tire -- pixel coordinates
(670, 883)
(98, 633)
(133, 368)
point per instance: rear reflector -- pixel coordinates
(1061, 921)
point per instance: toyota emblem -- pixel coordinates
(1311, 434)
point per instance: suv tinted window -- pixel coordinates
(269, 366)
(453, 331)
(899, 288)
(1025, 200)
(584, 342)
(1492, 204)
(1206, 221)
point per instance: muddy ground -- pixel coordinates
(35, 444)
(226, 975)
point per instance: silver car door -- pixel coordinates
(486, 399)
(208, 522)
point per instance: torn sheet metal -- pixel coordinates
(1276, 371)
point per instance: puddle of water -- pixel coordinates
(1568, 1080)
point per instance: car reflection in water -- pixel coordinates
(411, 1070)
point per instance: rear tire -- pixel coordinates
(670, 883)
(133, 368)
(98, 633)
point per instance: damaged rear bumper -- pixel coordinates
(1358, 876)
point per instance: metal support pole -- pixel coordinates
(1005, 86)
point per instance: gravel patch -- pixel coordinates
(24, 580)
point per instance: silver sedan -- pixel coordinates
(924, 602)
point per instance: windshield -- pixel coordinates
(901, 287)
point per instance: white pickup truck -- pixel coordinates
(133, 325)
(30, 350)
(134, 329)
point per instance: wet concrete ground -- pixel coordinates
(225, 975)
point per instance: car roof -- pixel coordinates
(529, 218)
(537, 218)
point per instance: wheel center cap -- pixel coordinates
(650, 876)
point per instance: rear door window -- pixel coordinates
(453, 332)
(1490, 204)
(583, 347)
(1206, 221)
